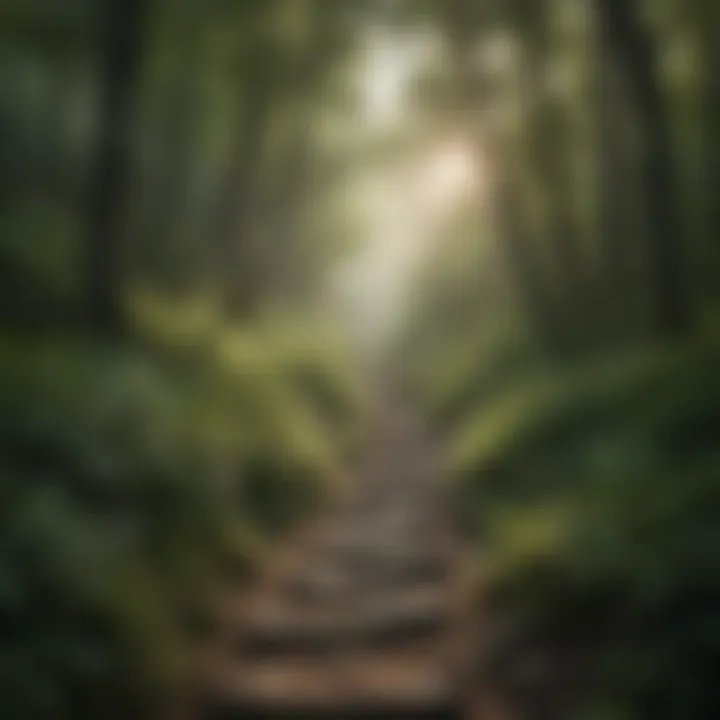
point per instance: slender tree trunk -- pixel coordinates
(285, 258)
(616, 200)
(711, 143)
(713, 129)
(517, 254)
(517, 248)
(636, 56)
(169, 212)
(240, 262)
(121, 36)
(547, 140)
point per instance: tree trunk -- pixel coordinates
(708, 32)
(617, 200)
(121, 36)
(636, 56)
(517, 254)
(517, 248)
(170, 255)
(546, 139)
(239, 259)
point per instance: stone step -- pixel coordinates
(378, 531)
(324, 569)
(386, 538)
(330, 582)
(319, 585)
(248, 710)
(400, 565)
(364, 684)
(382, 497)
(359, 616)
(275, 626)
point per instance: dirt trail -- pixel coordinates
(366, 613)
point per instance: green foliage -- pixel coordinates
(458, 376)
(132, 482)
(596, 494)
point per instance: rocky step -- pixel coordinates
(361, 684)
(402, 515)
(318, 572)
(398, 565)
(384, 496)
(327, 584)
(278, 627)
(383, 539)
(372, 573)
(319, 585)
(381, 711)
(396, 485)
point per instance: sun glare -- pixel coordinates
(451, 176)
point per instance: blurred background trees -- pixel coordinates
(157, 163)
(528, 188)
(579, 398)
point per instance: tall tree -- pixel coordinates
(705, 14)
(617, 222)
(121, 24)
(518, 260)
(546, 127)
(637, 57)
(519, 247)
(255, 103)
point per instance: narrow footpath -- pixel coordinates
(367, 613)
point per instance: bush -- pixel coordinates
(596, 495)
(133, 480)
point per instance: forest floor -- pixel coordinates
(367, 611)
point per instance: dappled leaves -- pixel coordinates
(596, 495)
(132, 482)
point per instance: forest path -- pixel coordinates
(367, 612)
